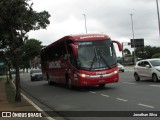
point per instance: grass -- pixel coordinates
(10, 92)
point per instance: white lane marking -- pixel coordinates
(122, 99)
(144, 105)
(155, 85)
(92, 92)
(129, 83)
(105, 95)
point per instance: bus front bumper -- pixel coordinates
(88, 80)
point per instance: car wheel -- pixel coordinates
(136, 76)
(31, 79)
(154, 78)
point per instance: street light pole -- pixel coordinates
(85, 22)
(158, 16)
(133, 38)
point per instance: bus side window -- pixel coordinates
(57, 52)
(62, 50)
(44, 56)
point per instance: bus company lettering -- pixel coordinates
(55, 64)
(100, 73)
(92, 36)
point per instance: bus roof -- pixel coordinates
(85, 37)
(82, 37)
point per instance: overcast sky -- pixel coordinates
(111, 17)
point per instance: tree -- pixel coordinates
(17, 18)
(126, 51)
(30, 49)
(157, 55)
(147, 52)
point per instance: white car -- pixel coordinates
(147, 68)
(36, 74)
(120, 67)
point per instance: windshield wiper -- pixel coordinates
(98, 57)
(101, 57)
(94, 59)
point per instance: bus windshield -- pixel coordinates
(96, 55)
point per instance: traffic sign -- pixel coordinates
(137, 43)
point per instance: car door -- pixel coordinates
(139, 68)
(147, 69)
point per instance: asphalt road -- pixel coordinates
(126, 95)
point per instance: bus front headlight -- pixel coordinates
(115, 72)
(83, 75)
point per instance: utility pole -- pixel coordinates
(122, 53)
(133, 38)
(85, 22)
(158, 16)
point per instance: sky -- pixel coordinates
(110, 17)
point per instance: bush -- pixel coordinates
(157, 55)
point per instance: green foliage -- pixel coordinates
(17, 18)
(147, 52)
(29, 50)
(32, 48)
(126, 52)
(1, 55)
(157, 55)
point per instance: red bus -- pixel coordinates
(81, 60)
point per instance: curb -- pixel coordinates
(32, 103)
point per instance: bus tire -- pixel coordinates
(49, 80)
(69, 83)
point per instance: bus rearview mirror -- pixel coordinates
(74, 48)
(119, 45)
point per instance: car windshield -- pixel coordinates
(155, 62)
(36, 71)
(96, 55)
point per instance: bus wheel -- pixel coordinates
(69, 83)
(101, 85)
(49, 81)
